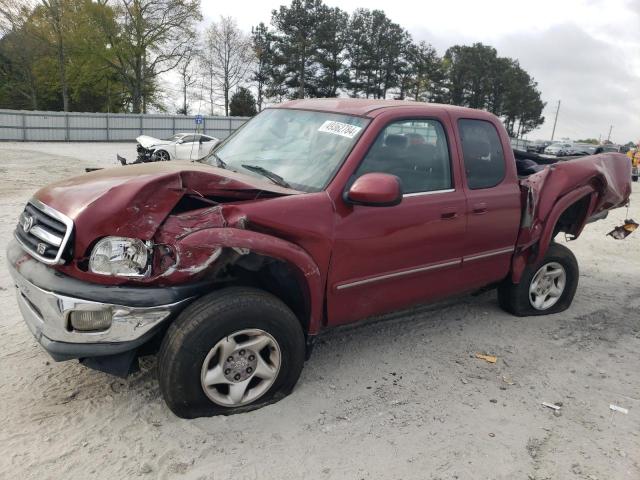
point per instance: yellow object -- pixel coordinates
(634, 155)
(487, 358)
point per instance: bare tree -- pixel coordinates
(188, 78)
(226, 59)
(150, 38)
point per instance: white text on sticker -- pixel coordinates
(339, 128)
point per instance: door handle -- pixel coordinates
(479, 208)
(449, 215)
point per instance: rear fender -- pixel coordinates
(538, 244)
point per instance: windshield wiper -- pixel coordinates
(274, 177)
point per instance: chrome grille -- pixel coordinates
(44, 232)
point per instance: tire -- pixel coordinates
(519, 300)
(163, 156)
(203, 331)
(634, 178)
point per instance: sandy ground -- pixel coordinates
(399, 399)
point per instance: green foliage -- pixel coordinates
(592, 141)
(312, 50)
(243, 103)
(81, 55)
(476, 77)
(30, 68)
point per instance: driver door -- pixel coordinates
(387, 258)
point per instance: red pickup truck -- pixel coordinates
(314, 214)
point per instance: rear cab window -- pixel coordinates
(484, 161)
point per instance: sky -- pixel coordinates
(583, 53)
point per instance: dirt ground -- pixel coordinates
(402, 398)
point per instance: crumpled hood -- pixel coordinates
(133, 201)
(147, 142)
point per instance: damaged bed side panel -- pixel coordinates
(602, 181)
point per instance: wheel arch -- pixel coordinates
(569, 214)
(255, 259)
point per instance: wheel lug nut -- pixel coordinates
(249, 369)
(227, 371)
(230, 359)
(241, 352)
(236, 376)
(252, 358)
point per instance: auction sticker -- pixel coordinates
(339, 128)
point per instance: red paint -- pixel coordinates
(351, 260)
(377, 189)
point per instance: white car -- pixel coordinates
(560, 149)
(181, 146)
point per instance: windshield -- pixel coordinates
(298, 148)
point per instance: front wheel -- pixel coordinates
(547, 287)
(162, 156)
(234, 350)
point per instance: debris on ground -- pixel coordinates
(624, 230)
(553, 406)
(616, 408)
(508, 381)
(487, 358)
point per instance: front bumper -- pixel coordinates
(46, 298)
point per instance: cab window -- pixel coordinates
(483, 155)
(415, 151)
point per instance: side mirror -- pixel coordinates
(375, 190)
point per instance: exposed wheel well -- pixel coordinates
(274, 276)
(572, 218)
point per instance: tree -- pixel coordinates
(148, 38)
(476, 77)
(19, 53)
(243, 103)
(56, 14)
(331, 41)
(295, 44)
(30, 66)
(188, 78)
(420, 75)
(262, 44)
(227, 59)
(375, 49)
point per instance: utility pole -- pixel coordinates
(609, 136)
(555, 121)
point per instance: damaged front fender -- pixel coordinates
(203, 255)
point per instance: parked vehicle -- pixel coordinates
(562, 149)
(538, 146)
(316, 213)
(181, 146)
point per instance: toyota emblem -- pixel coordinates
(27, 223)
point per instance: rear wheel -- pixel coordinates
(547, 287)
(234, 350)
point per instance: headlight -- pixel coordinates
(121, 257)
